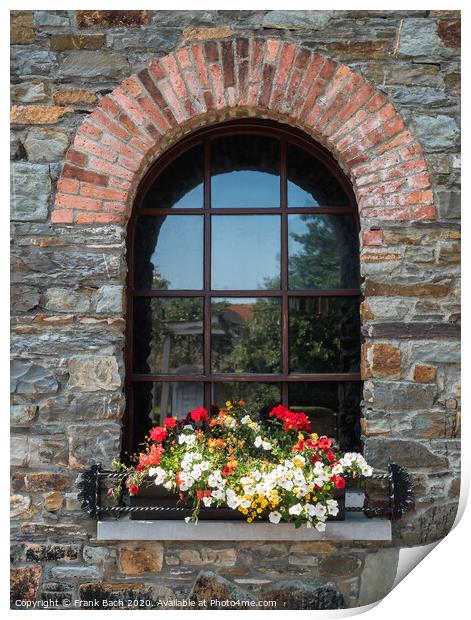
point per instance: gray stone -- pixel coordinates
(20, 505)
(378, 575)
(297, 20)
(15, 146)
(29, 92)
(436, 132)
(418, 37)
(110, 299)
(96, 443)
(417, 96)
(297, 594)
(399, 394)
(95, 65)
(449, 204)
(23, 298)
(19, 449)
(33, 63)
(51, 19)
(381, 452)
(82, 406)
(67, 300)
(436, 352)
(92, 373)
(213, 588)
(23, 415)
(43, 145)
(29, 378)
(428, 526)
(72, 572)
(97, 555)
(146, 39)
(182, 19)
(30, 192)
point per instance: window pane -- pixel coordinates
(153, 402)
(245, 335)
(168, 252)
(245, 172)
(332, 407)
(257, 395)
(323, 252)
(180, 185)
(324, 334)
(310, 184)
(168, 335)
(245, 252)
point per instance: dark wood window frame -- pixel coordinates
(285, 135)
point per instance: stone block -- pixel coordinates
(414, 454)
(97, 443)
(62, 42)
(24, 585)
(148, 39)
(378, 576)
(449, 204)
(53, 501)
(112, 19)
(299, 594)
(37, 114)
(59, 299)
(94, 65)
(29, 378)
(206, 34)
(340, 565)
(23, 298)
(22, 29)
(385, 360)
(51, 553)
(439, 352)
(37, 482)
(449, 31)
(20, 506)
(399, 395)
(75, 572)
(76, 96)
(436, 132)
(425, 374)
(43, 145)
(30, 192)
(29, 92)
(212, 588)
(51, 19)
(298, 20)
(110, 299)
(23, 415)
(93, 373)
(418, 37)
(138, 560)
(34, 63)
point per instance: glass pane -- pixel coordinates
(153, 402)
(245, 335)
(257, 395)
(168, 335)
(245, 252)
(168, 252)
(333, 408)
(310, 184)
(180, 185)
(245, 172)
(324, 334)
(323, 252)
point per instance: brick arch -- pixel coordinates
(213, 81)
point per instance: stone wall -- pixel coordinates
(68, 323)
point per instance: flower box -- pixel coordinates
(151, 495)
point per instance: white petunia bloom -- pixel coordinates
(266, 445)
(320, 511)
(159, 473)
(207, 501)
(246, 419)
(366, 471)
(218, 494)
(168, 485)
(274, 517)
(258, 441)
(333, 507)
(320, 526)
(295, 510)
(187, 519)
(245, 503)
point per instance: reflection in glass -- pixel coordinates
(168, 335)
(245, 172)
(245, 252)
(324, 334)
(333, 409)
(323, 252)
(180, 184)
(258, 396)
(168, 252)
(245, 335)
(310, 184)
(153, 402)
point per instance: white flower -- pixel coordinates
(266, 445)
(320, 526)
(258, 441)
(190, 440)
(320, 511)
(246, 419)
(187, 519)
(207, 501)
(159, 473)
(218, 494)
(231, 499)
(310, 509)
(188, 427)
(333, 507)
(337, 469)
(274, 517)
(366, 471)
(245, 503)
(216, 480)
(296, 509)
(168, 485)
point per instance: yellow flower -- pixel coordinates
(249, 519)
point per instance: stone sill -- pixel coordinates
(355, 527)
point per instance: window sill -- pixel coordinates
(355, 527)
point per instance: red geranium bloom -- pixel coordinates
(133, 489)
(292, 421)
(330, 457)
(140, 467)
(199, 414)
(339, 482)
(299, 447)
(158, 434)
(324, 443)
(199, 494)
(226, 471)
(170, 422)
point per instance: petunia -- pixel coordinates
(274, 517)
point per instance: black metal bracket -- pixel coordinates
(401, 497)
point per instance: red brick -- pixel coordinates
(267, 83)
(200, 66)
(114, 207)
(107, 123)
(98, 218)
(211, 51)
(172, 101)
(426, 212)
(283, 70)
(111, 169)
(173, 73)
(273, 46)
(156, 70)
(80, 174)
(183, 57)
(243, 70)
(392, 214)
(158, 119)
(256, 62)
(62, 216)
(78, 202)
(76, 157)
(93, 148)
(130, 107)
(68, 186)
(91, 130)
(242, 47)
(372, 237)
(228, 63)
(129, 164)
(104, 193)
(348, 111)
(218, 86)
(132, 86)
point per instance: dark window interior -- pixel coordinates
(244, 282)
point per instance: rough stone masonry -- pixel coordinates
(68, 316)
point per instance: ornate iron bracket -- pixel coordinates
(401, 491)
(89, 495)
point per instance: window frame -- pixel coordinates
(285, 135)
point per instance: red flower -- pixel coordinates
(330, 456)
(170, 422)
(324, 443)
(207, 493)
(147, 459)
(299, 447)
(226, 471)
(199, 494)
(199, 414)
(158, 434)
(292, 421)
(133, 489)
(140, 467)
(339, 482)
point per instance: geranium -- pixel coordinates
(273, 467)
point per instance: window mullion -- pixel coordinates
(207, 272)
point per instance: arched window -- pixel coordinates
(244, 281)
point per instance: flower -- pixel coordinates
(199, 414)
(133, 489)
(339, 482)
(170, 422)
(274, 517)
(296, 509)
(158, 434)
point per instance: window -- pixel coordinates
(244, 281)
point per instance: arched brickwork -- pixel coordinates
(213, 81)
